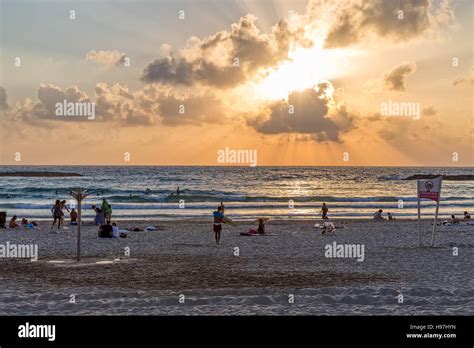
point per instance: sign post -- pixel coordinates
(430, 189)
(79, 196)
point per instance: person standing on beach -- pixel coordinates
(57, 213)
(217, 227)
(63, 205)
(324, 211)
(107, 210)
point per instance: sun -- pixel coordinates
(304, 69)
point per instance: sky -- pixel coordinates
(300, 83)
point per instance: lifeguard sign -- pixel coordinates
(429, 189)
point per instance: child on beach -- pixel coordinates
(73, 217)
(467, 216)
(57, 213)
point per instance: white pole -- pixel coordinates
(419, 212)
(79, 203)
(436, 213)
(434, 225)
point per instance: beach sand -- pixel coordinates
(181, 258)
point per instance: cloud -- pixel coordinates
(3, 99)
(314, 113)
(429, 111)
(354, 20)
(115, 103)
(227, 58)
(395, 79)
(106, 58)
(44, 109)
(465, 80)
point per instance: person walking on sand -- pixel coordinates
(57, 213)
(324, 211)
(63, 205)
(217, 227)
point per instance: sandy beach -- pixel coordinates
(284, 273)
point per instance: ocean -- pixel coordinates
(149, 192)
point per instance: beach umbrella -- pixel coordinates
(79, 196)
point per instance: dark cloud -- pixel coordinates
(356, 19)
(311, 116)
(395, 79)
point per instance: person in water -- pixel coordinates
(324, 211)
(217, 227)
(177, 191)
(57, 213)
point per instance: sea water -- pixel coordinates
(279, 192)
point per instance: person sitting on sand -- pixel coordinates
(324, 211)
(467, 216)
(24, 222)
(12, 223)
(115, 231)
(390, 216)
(56, 210)
(378, 215)
(105, 231)
(73, 216)
(217, 227)
(454, 220)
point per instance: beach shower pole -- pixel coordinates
(79, 196)
(419, 212)
(79, 204)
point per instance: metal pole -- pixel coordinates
(434, 225)
(79, 203)
(419, 212)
